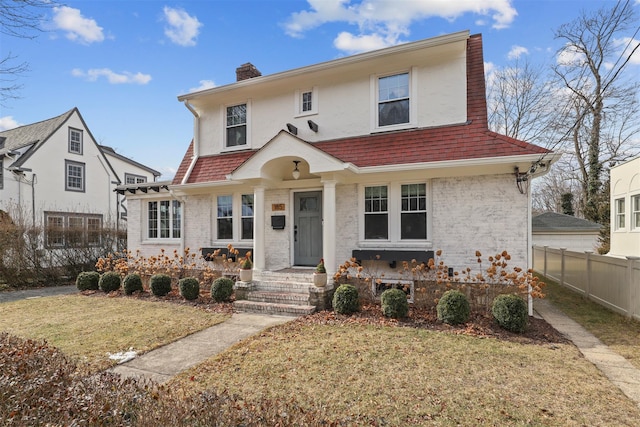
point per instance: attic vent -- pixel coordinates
(247, 71)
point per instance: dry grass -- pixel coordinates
(405, 376)
(88, 328)
(620, 333)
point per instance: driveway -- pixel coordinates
(8, 296)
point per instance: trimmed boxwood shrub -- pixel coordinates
(221, 289)
(345, 299)
(453, 308)
(394, 303)
(88, 281)
(109, 281)
(160, 284)
(511, 312)
(132, 283)
(189, 288)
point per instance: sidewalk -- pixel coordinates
(619, 371)
(161, 364)
(9, 296)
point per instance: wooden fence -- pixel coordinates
(611, 282)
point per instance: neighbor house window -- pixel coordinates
(247, 216)
(619, 203)
(74, 176)
(94, 225)
(64, 229)
(376, 214)
(635, 211)
(393, 100)
(134, 179)
(236, 125)
(75, 230)
(413, 212)
(225, 217)
(55, 231)
(75, 141)
(164, 219)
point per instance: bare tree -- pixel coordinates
(18, 18)
(603, 100)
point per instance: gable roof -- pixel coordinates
(24, 136)
(552, 221)
(110, 151)
(463, 141)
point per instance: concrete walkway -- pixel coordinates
(618, 369)
(9, 296)
(161, 364)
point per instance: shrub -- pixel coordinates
(160, 284)
(345, 299)
(394, 303)
(189, 288)
(510, 311)
(221, 289)
(88, 281)
(132, 283)
(453, 307)
(109, 281)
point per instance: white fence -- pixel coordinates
(612, 282)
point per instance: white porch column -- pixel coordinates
(329, 226)
(258, 229)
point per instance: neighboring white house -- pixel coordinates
(385, 152)
(625, 209)
(565, 231)
(53, 173)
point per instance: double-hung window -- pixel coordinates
(413, 216)
(74, 176)
(376, 214)
(393, 100)
(164, 219)
(620, 210)
(55, 231)
(635, 211)
(247, 216)
(236, 125)
(75, 141)
(75, 231)
(225, 217)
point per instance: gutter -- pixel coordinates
(196, 142)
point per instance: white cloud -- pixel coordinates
(77, 27)
(517, 51)
(182, 28)
(386, 21)
(628, 44)
(125, 77)
(570, 56)
(204, 84)
(8, 122)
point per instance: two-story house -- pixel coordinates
(625, 209)
(385, 152)
(54, 174)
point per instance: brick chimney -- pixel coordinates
(247, 71)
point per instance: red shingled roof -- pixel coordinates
(470, 140)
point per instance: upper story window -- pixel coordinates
(134, 179)
(393, 99)
(635, 211)
(236, 125)
(620, 219)
(75, 141)
(164, 219)
(306, 102)
(74, 176)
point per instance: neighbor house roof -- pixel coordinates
(110, 151)
(469, 140)
(556, 222)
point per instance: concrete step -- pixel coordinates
(279, 297)
(273, 308)
(300, 276)
(282, 286)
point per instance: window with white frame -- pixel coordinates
(247, 217)
(393, 99)
(225, 217)
(74, 176)
(75, 141)
(130, 178)
(635, 211)
(620, 210)
(68, 229)
(376, 215)
(306, 102)
(164, 219)
(236, 125)
(413, 216)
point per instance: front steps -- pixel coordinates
(286, 293)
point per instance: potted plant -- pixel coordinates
(246, 268)
(320, 275)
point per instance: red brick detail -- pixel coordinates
(184, 165)
(217, 167)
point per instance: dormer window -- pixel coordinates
(236, 125)
(75, 141)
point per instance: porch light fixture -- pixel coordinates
(292, 129)
(296, 171)
(312, 125)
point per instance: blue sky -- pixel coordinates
(123, 63)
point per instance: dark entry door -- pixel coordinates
(307, 228)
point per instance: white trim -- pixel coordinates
(374, 80)
(247, 124)
(298, 102)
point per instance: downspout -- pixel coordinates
(196, 141)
